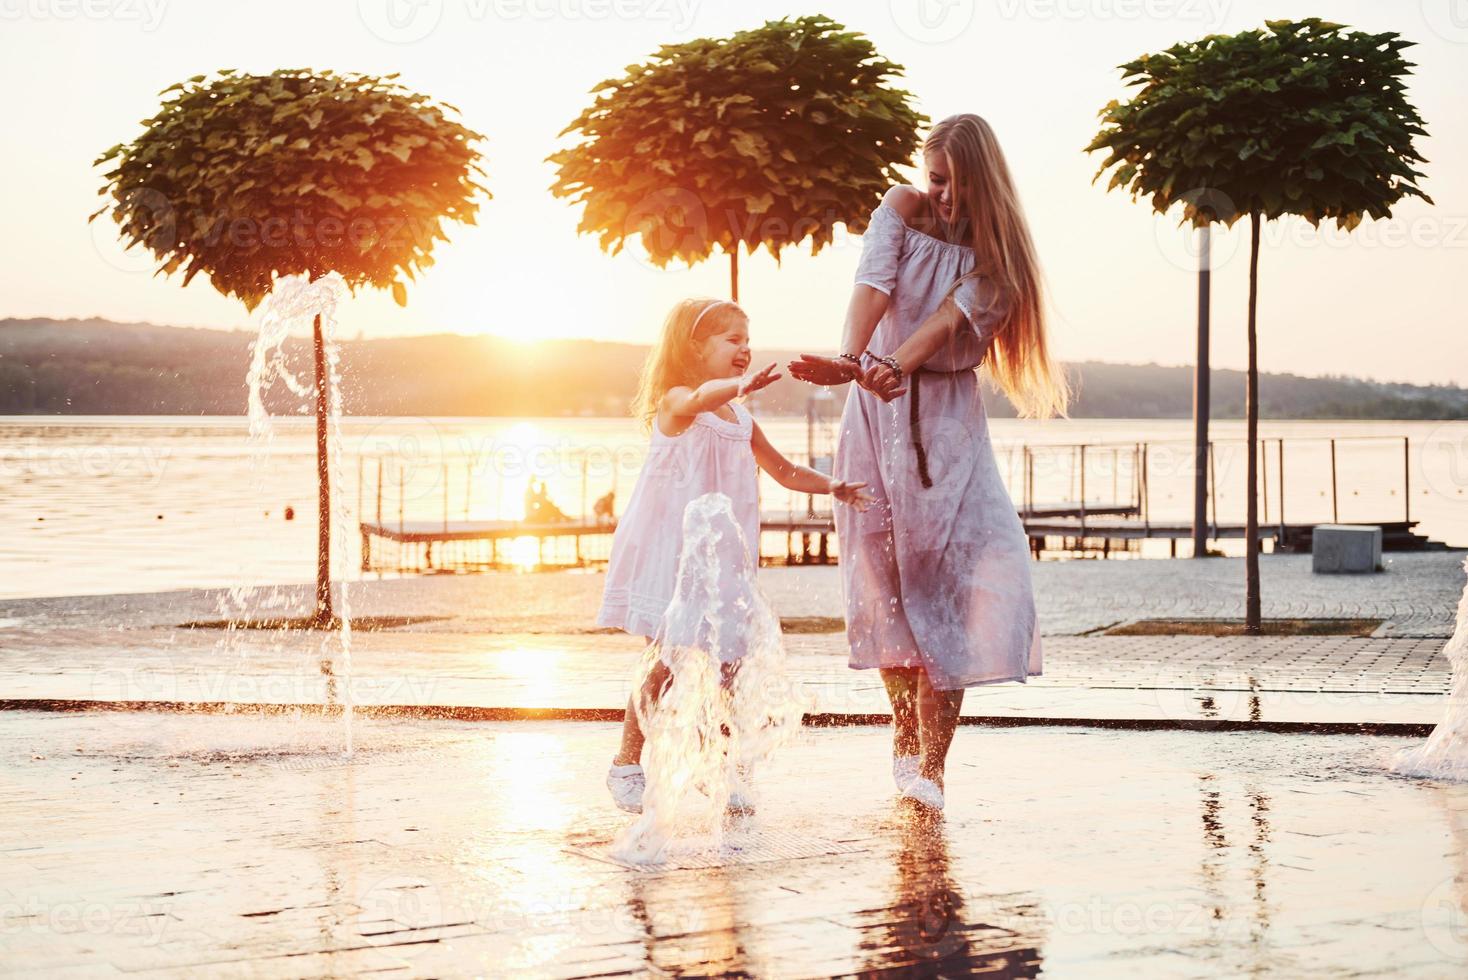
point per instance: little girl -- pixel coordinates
(702, 442)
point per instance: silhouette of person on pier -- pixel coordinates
(539, 508)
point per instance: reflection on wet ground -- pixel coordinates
(232, 845)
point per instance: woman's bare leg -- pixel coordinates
(937, 719)
(632, 737)
(902, 691)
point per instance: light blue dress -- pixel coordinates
(935, 576)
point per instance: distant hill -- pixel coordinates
(97, 367)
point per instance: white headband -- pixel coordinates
(716, 303)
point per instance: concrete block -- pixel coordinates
(1337, 548)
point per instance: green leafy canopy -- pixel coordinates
(1300, 118)
(246, 177)
(769, 137)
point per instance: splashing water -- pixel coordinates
(292, 305)
(726, 703)
(1445, 753)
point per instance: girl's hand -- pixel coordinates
(851, 493)
(819, 370)
(763, 378)
(883, 382)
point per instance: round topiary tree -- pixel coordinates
(246, 178)
(766, 138)
(1302, 118)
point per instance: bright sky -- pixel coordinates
(1386, 302)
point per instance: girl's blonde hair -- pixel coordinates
(674, 360)
(989, 213)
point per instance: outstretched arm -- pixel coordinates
(681, 404)
(803, 479)
(863, 313)
(935, 333)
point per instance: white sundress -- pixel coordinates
(936, 573)
(712, 456)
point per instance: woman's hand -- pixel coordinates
(851, 493)
(762, 378)
(819, 370)
(882, 381)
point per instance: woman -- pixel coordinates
(936, 571)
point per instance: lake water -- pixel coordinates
(132, 504)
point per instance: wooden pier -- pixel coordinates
(1077, 525)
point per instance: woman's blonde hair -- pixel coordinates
(988, 213)
(674, 359)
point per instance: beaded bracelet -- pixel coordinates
(891, 362)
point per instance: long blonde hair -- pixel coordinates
(988, 208)
(674, 359)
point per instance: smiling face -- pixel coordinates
(725, 353)
(942, 192)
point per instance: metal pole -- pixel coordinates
(1201, 410)
(379, 491)
(1137, 474)
(1029, 482)
(1281, 490)
(1213, 487)
(1083, 480)
(1407, 479)
(1264, 477)
(1083, 489)
(1335, 509)
(1146, 493)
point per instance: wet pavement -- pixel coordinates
(1207, 837)
(161, 845)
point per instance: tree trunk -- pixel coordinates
(1201, 408)
(734, 273)
(323, 484)
(1251, 398)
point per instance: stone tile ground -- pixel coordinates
(1416, 596)
(211, 846)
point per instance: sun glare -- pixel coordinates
(525, 553)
